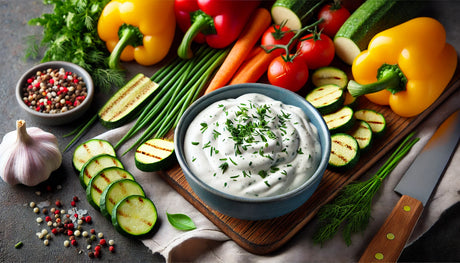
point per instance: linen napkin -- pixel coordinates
(208, 244)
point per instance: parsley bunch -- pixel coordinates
(352, 207)
(70, 34)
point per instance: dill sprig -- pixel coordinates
(351, 209)
(70, 34)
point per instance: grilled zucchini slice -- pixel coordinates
(88, 149)
(326, 99)
(375, 119)
(95, 165)
(154, 155)
(98, 183)
(344, 152)
(134, 215)
(341, 120)
(363, 134)
(329, 75)
(115, 192)
(121, 107)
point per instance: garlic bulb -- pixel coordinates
(28, 156)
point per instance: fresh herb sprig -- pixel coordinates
(70, 34)
(352, 207)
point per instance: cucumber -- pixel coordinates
(154, 155)
(115, 192)
(329, 75)
(295, 13)
(363, 134)
(372, 17)
(375, 119)
(326, 99)
(121, 107)
(341, 120)
(134, 215)
(88, 149)
(100, 181)
(96, 164)
(344, 152)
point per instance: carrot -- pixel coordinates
(258, 23)
(254, 68)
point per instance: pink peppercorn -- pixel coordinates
(97, 248)
(88, 219)
(112, 249)
(69, 232)
(47, 218)
(102, 242)
(54, 231)
(58, 203)
(73, 242)
(75, 198)
(70, 226)
(72, 203)
(97, 254)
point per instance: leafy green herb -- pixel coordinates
(181, 221)
(70, 34)
(352, 207)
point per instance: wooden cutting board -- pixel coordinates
(265, 236)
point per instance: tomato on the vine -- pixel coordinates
(333, 15)
(276, 35)
(291, 74)
(316, 50)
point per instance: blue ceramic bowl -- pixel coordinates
(244, 207)
(63, 117)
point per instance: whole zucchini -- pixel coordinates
(372, 17)
(296, 13)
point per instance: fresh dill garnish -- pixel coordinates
(70, 34)
(352, 207)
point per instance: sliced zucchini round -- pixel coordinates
(329, 75)
(154, 155)
(363, 134)
(115, 192)
(340, 121)
(134, 215)
(375, 119)
(100, 181)
(344, 152)
(96, 164)
(86, 150)
(326, 99)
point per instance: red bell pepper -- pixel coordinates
(218, 22)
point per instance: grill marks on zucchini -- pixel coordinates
(376, 120)
(326, 99)
(344, 152)
(341, 120)
(363, 134)
(154, 155)
(120, 108)
(109, 187)
(88, 149)
(134, 215)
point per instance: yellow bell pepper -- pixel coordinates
(406, 67)
(140, 30)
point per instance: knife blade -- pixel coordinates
(415, 187)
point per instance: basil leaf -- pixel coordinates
(181, 221)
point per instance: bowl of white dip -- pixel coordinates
(252, 151)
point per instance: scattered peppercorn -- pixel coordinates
(88, 219)
(112, 249)
(73, 242)
(102, 242)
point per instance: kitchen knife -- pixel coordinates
(416, 187)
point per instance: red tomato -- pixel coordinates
(291, 75)
(333, 16)
(316, 50)
(276, 35)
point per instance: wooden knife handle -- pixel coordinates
(388, 243)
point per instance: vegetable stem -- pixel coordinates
(389, 77)
(129, 35)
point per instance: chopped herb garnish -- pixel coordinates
(204, 126)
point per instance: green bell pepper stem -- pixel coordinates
(201, 22)
(129, 35)
(389, 77)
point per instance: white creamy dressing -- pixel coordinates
(252, 146)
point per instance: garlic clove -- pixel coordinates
(28, 155)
